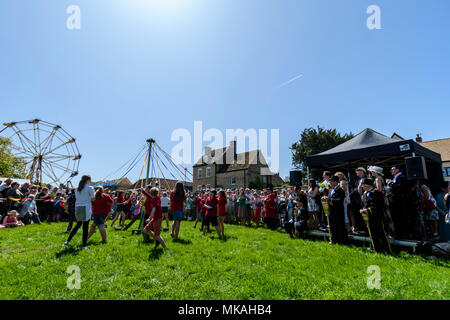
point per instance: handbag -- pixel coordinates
(428, 205)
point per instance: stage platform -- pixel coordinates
(408, 244)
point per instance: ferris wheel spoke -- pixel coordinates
(26, 139)
(24, 158)
(26, 143)
(24, 146)
(56, 165)
(59, 158)
(22, 151)
(61, 145)
(50, 175)
(47, 142)
(34, 133)
(49, 169)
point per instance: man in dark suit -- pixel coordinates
(373, 211)
(337, 214)
(399, 202)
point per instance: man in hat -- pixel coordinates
(373, 210)
(399, 201)
(336, 198)
(356, 198)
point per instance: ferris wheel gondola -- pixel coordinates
(51, 154)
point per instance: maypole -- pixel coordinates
(141, 221)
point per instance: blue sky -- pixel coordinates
(143, 68)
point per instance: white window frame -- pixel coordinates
(446, 171)
(231, 181)
(200, 173)
(208, 172)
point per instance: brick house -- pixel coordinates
(441, 146)
(224, 168)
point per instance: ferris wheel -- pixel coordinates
(50, 153)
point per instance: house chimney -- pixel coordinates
(231, 153)
(207, 156)
(418, 138)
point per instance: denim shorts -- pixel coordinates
(177, 215)
(99, 219)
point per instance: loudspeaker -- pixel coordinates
(295, 178)
(416, 168)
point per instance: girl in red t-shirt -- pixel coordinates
(222, 202)
(153, 206)
(177, 200)
(211, 206)
(101, 208)
(120, 211)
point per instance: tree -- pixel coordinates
(314, 141)
(257, 184)
(10, 165)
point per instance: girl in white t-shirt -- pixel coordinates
(165, 200)
(84, 195)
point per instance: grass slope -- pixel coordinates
(249, 264)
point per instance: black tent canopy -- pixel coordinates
(371, 148)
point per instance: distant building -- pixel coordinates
(161, 183)
(225, 168)
(441, 146)
(117, 184)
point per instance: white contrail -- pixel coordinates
(289, 81)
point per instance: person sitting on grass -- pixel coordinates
(153, 205)
(101, 208)
(10, 221)
(28, 212)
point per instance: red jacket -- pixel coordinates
(269, 206)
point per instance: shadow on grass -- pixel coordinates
(156, 253)
(182, 241)
(147, 239)
(68, 251)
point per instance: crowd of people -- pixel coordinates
(383, 209)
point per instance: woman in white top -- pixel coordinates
(84, 195)
(313, 206)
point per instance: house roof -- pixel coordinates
(164, 183)
(397, 136)
(243, 160)
(441, 146)
(115, 182)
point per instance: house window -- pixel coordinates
(264, 180)
(233, 181)
(208, 172)
(199, 173)
(446, 172)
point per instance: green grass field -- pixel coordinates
(249, 264)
